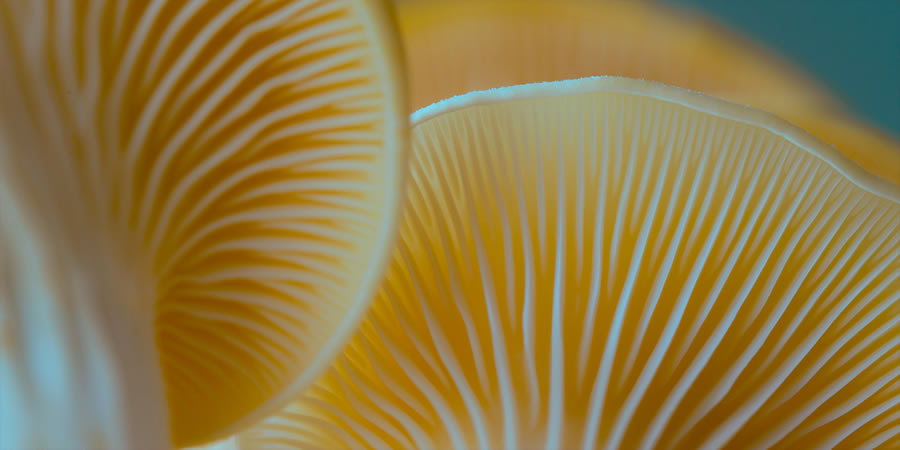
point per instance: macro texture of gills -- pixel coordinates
(607, 262)
(242, 161)
(455, 47)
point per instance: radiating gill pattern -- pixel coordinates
(244, 154)
(611, 270)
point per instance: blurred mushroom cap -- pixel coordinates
(241, 162)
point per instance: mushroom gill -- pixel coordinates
(241, 161)
(466, 45)
(606, 263)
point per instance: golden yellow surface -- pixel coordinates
(241, 161)
(610, 262)
(454, 47)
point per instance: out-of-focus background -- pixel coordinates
(851, 46)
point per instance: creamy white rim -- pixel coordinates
(684, 97)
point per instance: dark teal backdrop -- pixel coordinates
(851, 46)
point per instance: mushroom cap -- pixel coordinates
(243, 160)
(604, 261)
(465, 45)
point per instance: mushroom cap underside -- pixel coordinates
(242, 160)
(590, 263)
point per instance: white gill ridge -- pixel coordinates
(716, 285)
(238, 155)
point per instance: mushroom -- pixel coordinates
(457, 47)
(606, 263)
(238, 163)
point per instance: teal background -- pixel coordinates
(851, 46)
